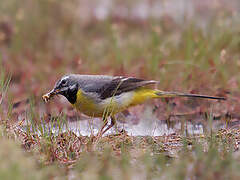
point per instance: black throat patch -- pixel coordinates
(71, 95)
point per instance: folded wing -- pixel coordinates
(122, 84)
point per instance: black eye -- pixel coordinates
(64, 82)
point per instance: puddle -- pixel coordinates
(148, 125)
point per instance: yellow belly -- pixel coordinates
(86, 105)
(112, 105)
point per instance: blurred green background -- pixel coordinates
(175, 42)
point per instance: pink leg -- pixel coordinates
(113, 122)
(100, 133)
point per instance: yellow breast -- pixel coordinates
(112, 105)
(97, 108)
(87, 105)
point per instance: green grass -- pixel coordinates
(4, 82)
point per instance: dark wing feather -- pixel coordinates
(122, 84)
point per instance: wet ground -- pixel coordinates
(148, 125)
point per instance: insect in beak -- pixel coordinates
(52, 93)
(49, 95)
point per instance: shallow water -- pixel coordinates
(148, 125)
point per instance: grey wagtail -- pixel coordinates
(104, 96)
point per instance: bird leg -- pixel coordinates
(100, 133)
(113, 122)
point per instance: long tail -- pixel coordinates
(176, 94)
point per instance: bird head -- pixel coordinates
(66, 86)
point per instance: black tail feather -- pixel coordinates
(176, 94)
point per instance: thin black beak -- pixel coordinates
(54, 92)
(57, 91)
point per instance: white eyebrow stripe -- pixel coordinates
(124, 79)
(65, 78)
